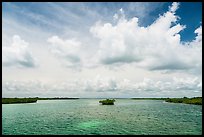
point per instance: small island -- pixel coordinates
(107, 102)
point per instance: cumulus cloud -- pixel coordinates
(190, 86)
(174, 6)
(68, 49)
(18, 54)
(155, 47)
(100, 84)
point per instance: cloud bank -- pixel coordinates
(106, 85)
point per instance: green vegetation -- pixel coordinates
(28, 100)
(194, 100)
(56, 98)
(107, 102)
(149, 98)
(18, 100)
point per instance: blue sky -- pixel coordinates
(123, 49)
(192, 20)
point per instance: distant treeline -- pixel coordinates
(149, 98)
(28, 100)
(18, 100)
(56, 98)
(194, 100)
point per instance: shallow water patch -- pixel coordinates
(91, 124)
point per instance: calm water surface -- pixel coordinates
(87, 116)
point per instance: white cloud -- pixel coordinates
(193, 84)
(18, 54)
(101, 84)
(197, 42)
(174, 6)
(68, 50)
(155, 47)
(185, 86)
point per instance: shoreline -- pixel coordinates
(193, 100)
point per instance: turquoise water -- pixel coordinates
(87, 116)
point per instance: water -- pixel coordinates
(87, 116)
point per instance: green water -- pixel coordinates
(87, 116)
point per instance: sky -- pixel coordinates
(102, 49)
